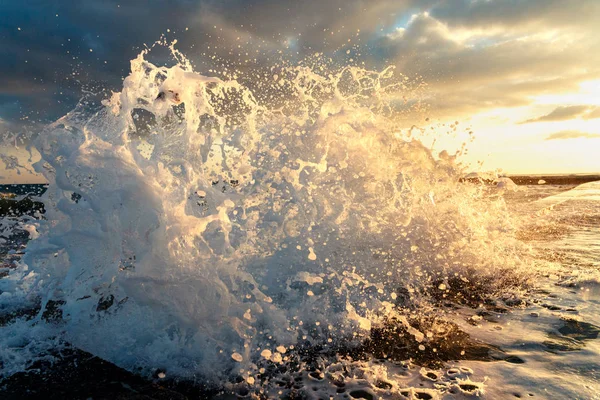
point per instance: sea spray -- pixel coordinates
(193, 223)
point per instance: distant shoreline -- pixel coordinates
(554, 179)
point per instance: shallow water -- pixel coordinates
(541, 345)
(556, 334)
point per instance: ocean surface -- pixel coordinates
(542, 344)
(284, 236)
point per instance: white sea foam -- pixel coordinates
(194, 224)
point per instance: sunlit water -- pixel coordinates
(284, 237)
(556, 333)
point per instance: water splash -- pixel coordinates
(193, 223)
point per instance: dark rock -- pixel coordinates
(362, 394)
(53, 312)
(393, 342)
(514, 360)
(7, 317)
(560, 344)
(105, 303)
(551, 307)
(76, 374)
(383, 385)
(468, 388)
(423, 396)
(579, 330)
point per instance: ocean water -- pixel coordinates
(283, 236)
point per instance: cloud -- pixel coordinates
(593, 113)
(316, 25)
(572, 135)
(46, 46)
(470, 69)
(473, 54)
(565, 113)
(561, 113)
(519, 15)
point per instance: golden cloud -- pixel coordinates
(564, 113)
(572, 135)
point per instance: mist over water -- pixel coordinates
(200, 225)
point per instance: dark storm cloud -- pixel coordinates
(572, 135)
(51, 50)
(472, 54)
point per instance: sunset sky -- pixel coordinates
(524, 75)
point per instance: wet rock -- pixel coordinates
(469, 292)
(514, 360)
(489, 316)
(9, 316)
(363, 394)
(468, 388)
(423, 395)
(76, 374)
(551, 307)
(53, 312)
(294, 395)
(24, 206)
(571, 336)
(394, 342)
(316, 375)
(515, 303)
(105, 303)
(579, 330)
(562, 344)
(384, 385)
